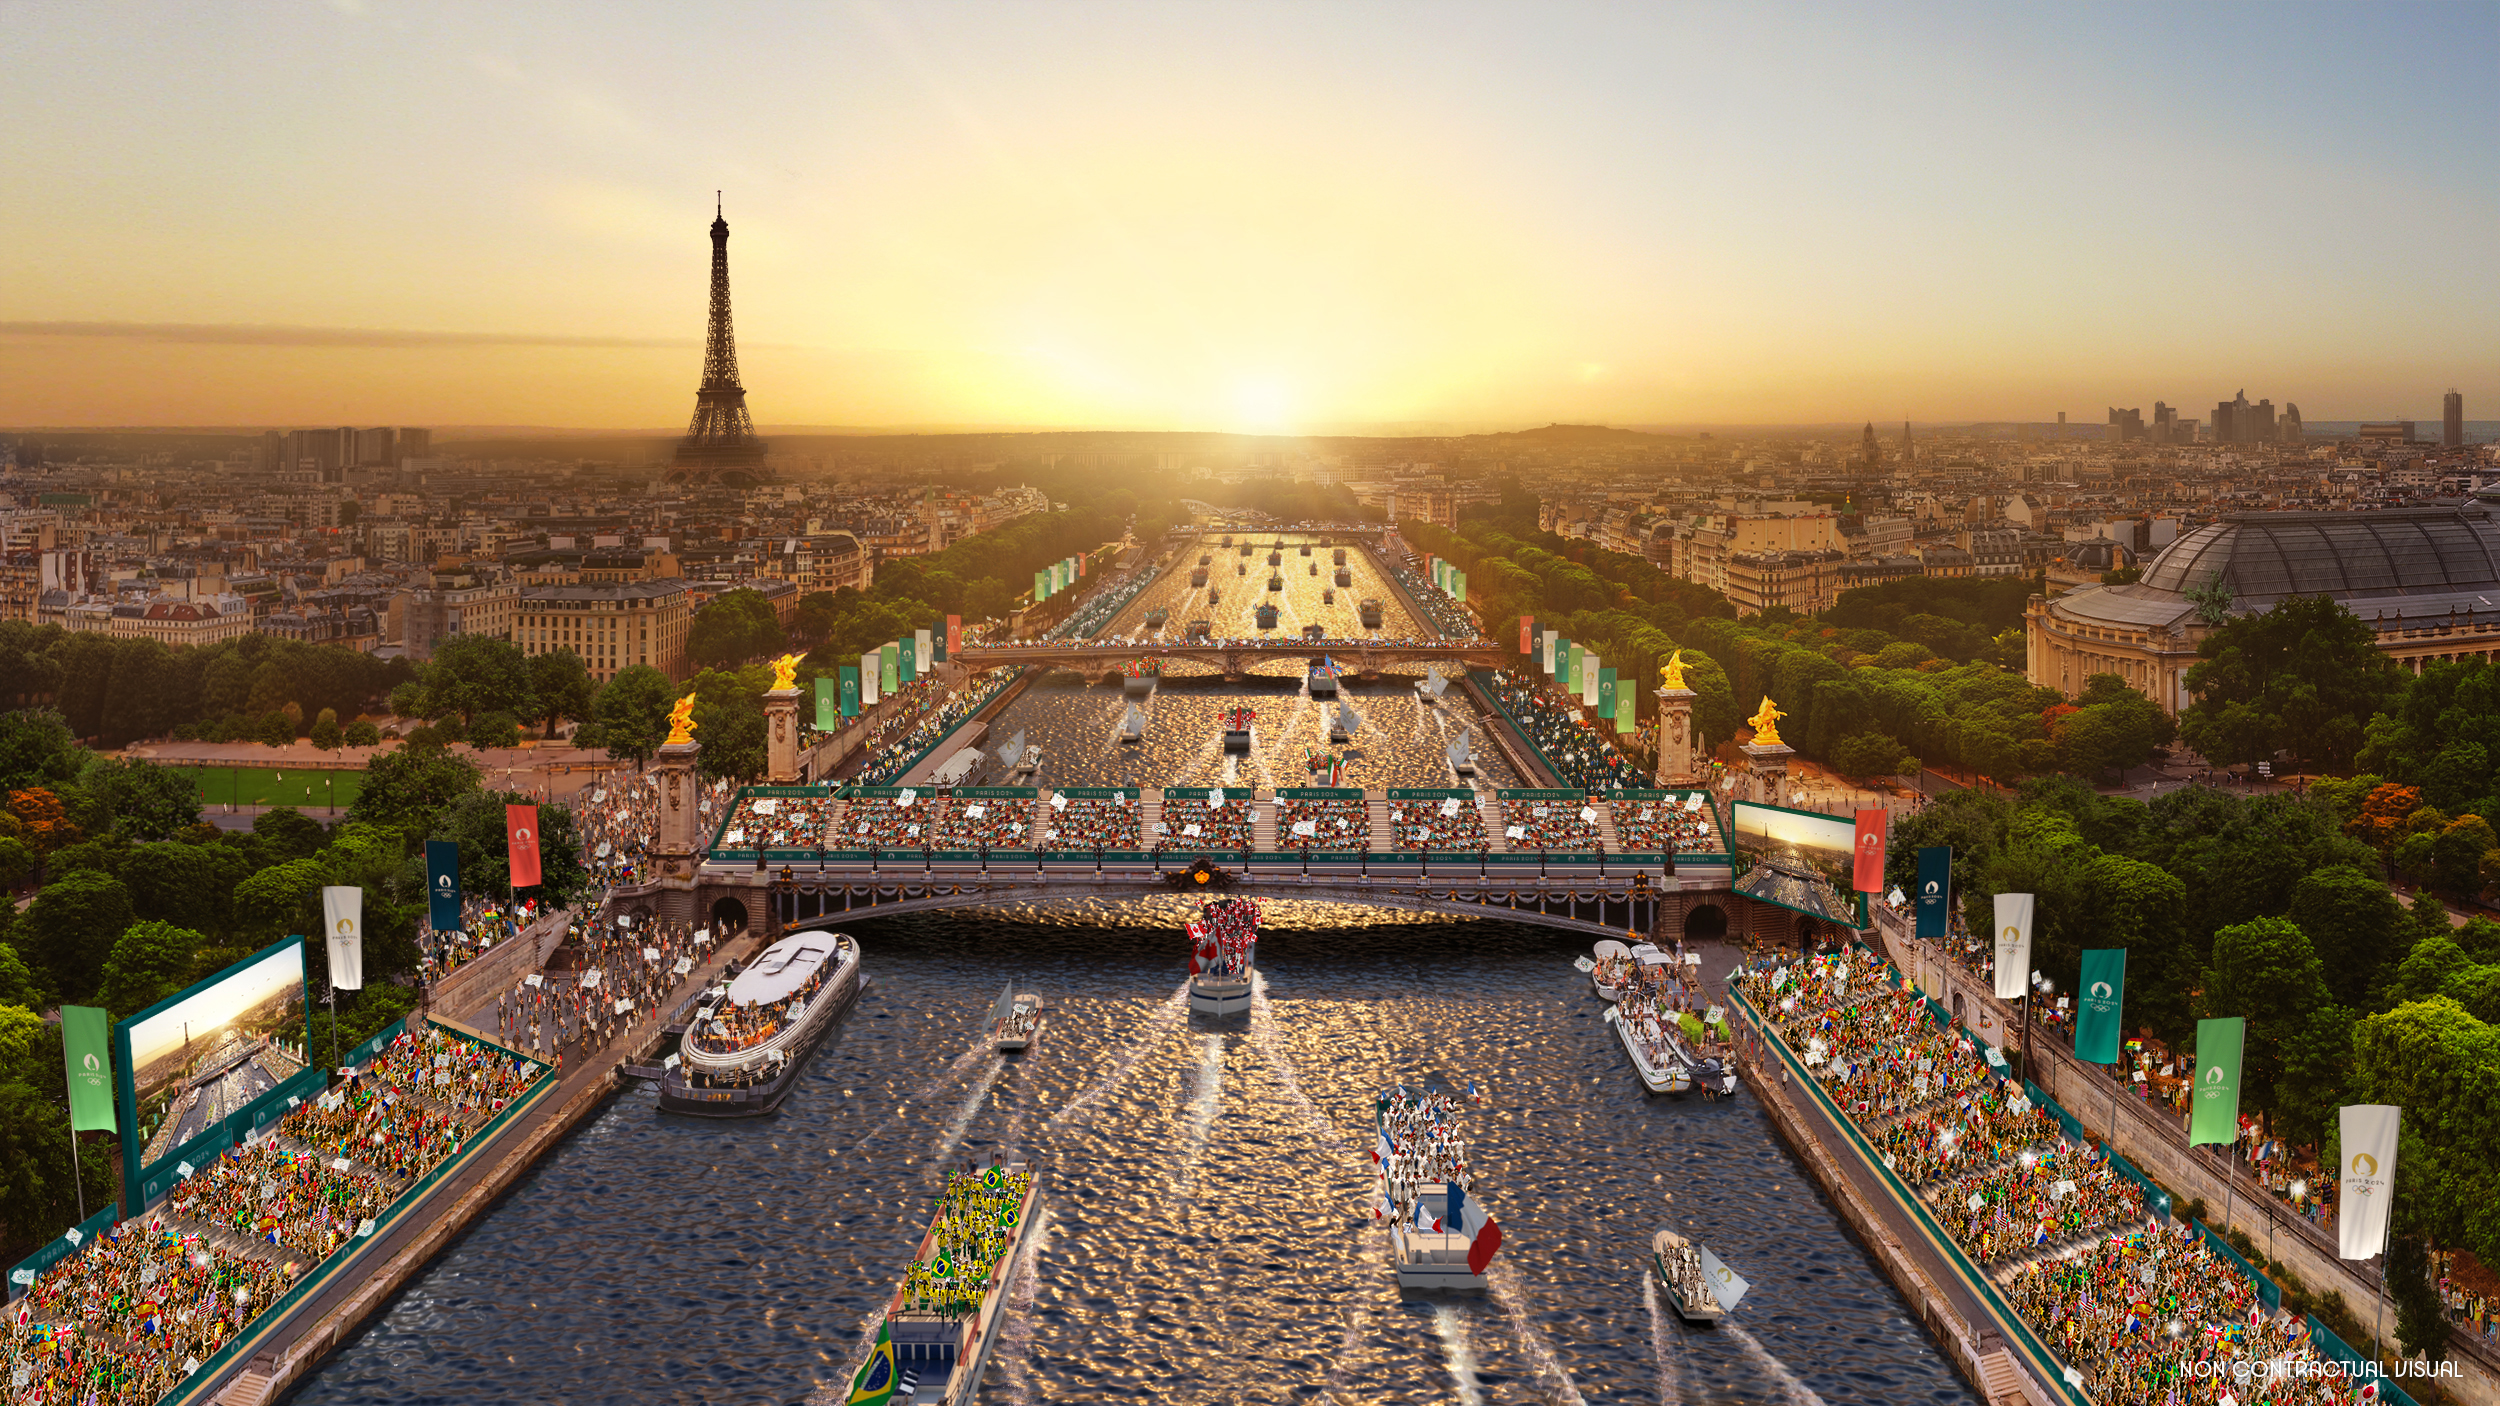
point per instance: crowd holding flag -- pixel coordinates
(1222, 938)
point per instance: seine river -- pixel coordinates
(1206, 1236)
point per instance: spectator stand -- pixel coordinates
(1192, 824)
(1550, 819)
(892, 817)
(1437, 821)
(1575, 749)
(777, 819)
(988, 818)
(1667, 822)
(1330, 819)
(1088, 818)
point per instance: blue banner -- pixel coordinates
(1935, 891)
(442, 885)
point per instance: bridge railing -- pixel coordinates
(1578, 862)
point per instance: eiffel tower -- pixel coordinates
(720, 448)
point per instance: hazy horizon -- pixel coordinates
(1293, 220)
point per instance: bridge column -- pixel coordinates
(781, 736)
(677, 848)
(1675, 737)
(1767, 768)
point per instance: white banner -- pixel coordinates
(1545, 652)
(343, 923)
(2013, 943)
(2367, 1184)
(1588, 680)
(1724, 1284)
(869, 665)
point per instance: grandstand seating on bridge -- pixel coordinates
(1438, 823)
(1550, 824)
(1333, 823)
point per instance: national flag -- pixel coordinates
(1483, 1236)
(1380, 1148)
(521, 838)
(1870, 851)
(1380, 1205)
(1424, 1218)
(874, 1386)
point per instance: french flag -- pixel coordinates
(1380, 1150)
(1380, 1206)
(1483, 1236)
(1425, 1219)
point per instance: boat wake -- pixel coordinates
(961, 1123)
(927, 1089)
(1159, 1022)
(1205, 1106)
(1505, 1288)
(1670, 1376)
(1280, 1069)
(1450, 1326)
(1795, 1391)
(1015, 1343)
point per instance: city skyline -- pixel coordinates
(1296, 222)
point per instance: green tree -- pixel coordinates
(150, 961)
(280, 900)
(325, 732)
(38, 1190)
(69, 930)
(2421, 1319)
(146, 801)
(632, 712)
(190, 886)
(361, 733)
(18, 983)
(562, 685)
(1868, 754)
(2442, 1067)
(2317, 1062)
(732, 628)
(2456, 855)
(410, 788)
(2268, 972)
(729, 722)
(2112, 729)
(2304, 678)
(2355, 924)
(37, 750)
(287, 833)
(494, 730)
(469, 675)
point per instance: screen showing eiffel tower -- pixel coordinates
(720, 447)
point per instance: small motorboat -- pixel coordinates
(1610, 980)
(1016, 1020)
(1677, 1263)
(1653, 1052)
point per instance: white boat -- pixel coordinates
(1016, 1020)
(1220, 971)
(1133, 726)
(1677, 1263)
(793, 991)
(1607, 951)
(1653, 1055)
(1213, 994)
(1431, 1259)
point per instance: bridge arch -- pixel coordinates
(1707, 922)
(729, 913)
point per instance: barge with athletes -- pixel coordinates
(944, 1317)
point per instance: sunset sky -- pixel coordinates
(1245, 217)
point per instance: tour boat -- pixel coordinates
(1133, 726)
(1315, 568)
(1653, 1053)
(1440, 1234)
(1338, 556)
(945, 1315)
(1156, 617)
(1371, 614)
(1431, 1259)
(1016, 1020)
(1306, 549)
(1223, 942)
(1342, 727)
(1201, 629)
(1266, 616)
(792, 993)
(1198, 577)
(1323, 679)
(1276, 558)
(1344, 577)
(1677, 1263)
(1276, 581)
(1328, 596)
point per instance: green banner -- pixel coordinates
(1041, 587)
(850, 690)
(1605, 693)
(828, 704)
(87, 1058)
(2215, 1115)
(2099, 1019)
(908, 650)
(1567, 666)
(889, 660)
(1624, 719)
(1460, 579)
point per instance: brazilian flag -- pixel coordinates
(874, 1386)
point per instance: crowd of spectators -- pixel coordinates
(617, 820)
(1089, 822)
(930, 711)
(1672, 826)
(910, 819)
(130, 1314)
(1105, 603)
(1550, 825)
(637, 964)
(2135, 1303)
(1453, 620)
(1578, 751)
(778, 822)
(1191, 823)
(1329, 823)
(986, 822)
(1449, 823)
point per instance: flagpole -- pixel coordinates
(75, 1174)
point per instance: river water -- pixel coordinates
(1205, 1237)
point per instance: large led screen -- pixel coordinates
(1797, 859)
(213, 1049)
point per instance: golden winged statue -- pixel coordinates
(681, 721)
(1766, 723)
(1671, 673)
(785, 673)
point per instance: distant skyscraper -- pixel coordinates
(2238, 422)
(1868, 451)
(2165, 423)
(2452, 420)
(2125, 425)
(2288, 428)
(720, 447)
(1909, 450)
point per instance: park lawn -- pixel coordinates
(281, 786)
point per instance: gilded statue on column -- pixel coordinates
(681, 722)
(1766, 723)
(1671, 674)
(786, 673)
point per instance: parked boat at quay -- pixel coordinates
(944, 1317)
(743, 1047)
(1654, 1058)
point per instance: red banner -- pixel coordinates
(1527, 635)
(520, 824)
(1870, 875)
(954, 634)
